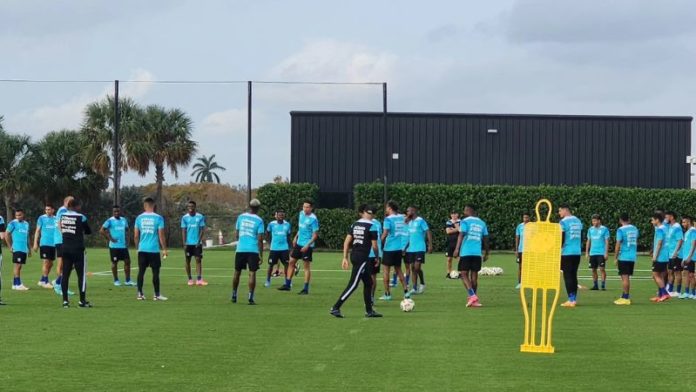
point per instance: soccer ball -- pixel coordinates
(454, 274)
(407, 305)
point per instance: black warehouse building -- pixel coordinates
(337, 150)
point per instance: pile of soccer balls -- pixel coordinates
(491, 271)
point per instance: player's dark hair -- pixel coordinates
(74, 203)
(115, 206)
(596, 216)
(526, 213)
(192, 202)
(254, 209)
(658, 216)
(688, 217)
(672, 213)
(149, 200)
(278, 210)
(49, 205)
(308, 201)
(564, 206)
(473, 207)
(19, 210)
(392, 204)
(625, 218)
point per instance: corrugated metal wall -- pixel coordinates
(337, 150)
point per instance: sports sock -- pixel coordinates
(408, 278)
(471, 292)
(668, 287)
(394, 278)
(59, 280)
(306, 287)
(604, 284)
(14, 282)
(420, 276)
(288, 282)
(234, 293)
(189, 276)
(679, 288)
(572, 297)
(251, 296)
(624, 295)
(594, 284)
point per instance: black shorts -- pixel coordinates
(277, 256)
(59, 250)
(450, 250)
(148, 259)
(19, 257)
(675, 265)
(119, 254)
(519, 258)
(470, 263)
(597, 262)
(194, 251)
(47, 252)
(297, 253)
(392, 258)
(377, 269)
(242, 260)
(690, 267)
(659, 267)
(626, 267)
(415, 257)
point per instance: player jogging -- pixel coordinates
(473, 238)
(73, 227)
(452, 232)
(17, 239)
(279, 232)
(418, 234)
(302, 246)
(625, 253)
(115, 230)
(597, 250)
(674, 241)
(149, 240)
(660, 258)
(44, 238)
(571, 252)
(192, 232)
(687, 256)
(519, 245)
(249, 252)
(392, 237)
(362, 237)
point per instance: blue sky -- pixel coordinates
(631, 57)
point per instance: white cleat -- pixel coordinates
(21, 287)
(673, 294)
(421, 289)
(159, 298)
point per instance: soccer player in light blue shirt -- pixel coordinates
(687, 256)
(378, 226)
(115, 230)
(420, 239)
(660, 257)
(597, 250)
(44, 243)
(393, 250)
(625, 251)
(17, 239)
(279, 235)
(192, 233)
(674, 241)
(150, 241)
(519, 245)
(473, 249)
(302, 246)
(570, 252)
(249, 252)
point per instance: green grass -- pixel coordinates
(200, 341)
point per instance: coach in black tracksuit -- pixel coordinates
(362, 237)
(73, 226)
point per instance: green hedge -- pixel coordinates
(333, 226)
(289, 197)
(501, 206)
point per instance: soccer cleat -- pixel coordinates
(673, 294)
(201, 282)
(159, 298)
(684, 296)
(40, 284)
(447, 276)
(234, 299)
(655, 299)
(407, 295)
(476, 304)
(412, 292)
(57, 289)
(140, 297)
(336, 313)
(421, 289)
(303, 292)
(472, 299)
(117, 283)
(622, 301)
(594, 288)
(372, 314)
(284, 288)
(569, 304)
(385, 297)
(693, 296)
(20, 287)
(251, 302)
(191, 282)
(2, 303)
(130, 283)
(518, 286)
(66, 304)
(664, 298)
(85, 304)
(267, 284)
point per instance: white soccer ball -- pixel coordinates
(407, 305)
(454, 274)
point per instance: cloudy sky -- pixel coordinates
(630, 57)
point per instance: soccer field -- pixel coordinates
(199, 341)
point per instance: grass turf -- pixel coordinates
(200, 341)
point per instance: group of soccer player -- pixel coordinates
(674, 244)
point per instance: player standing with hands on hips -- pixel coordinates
(149, 239)
(362, 238)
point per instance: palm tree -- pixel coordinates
(15, 151)
(98, 130)
(204, 169)
(164, 140)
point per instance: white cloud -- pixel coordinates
(225, 123)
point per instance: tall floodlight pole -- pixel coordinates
(116, 146)
(249, 142)
(387, 158)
